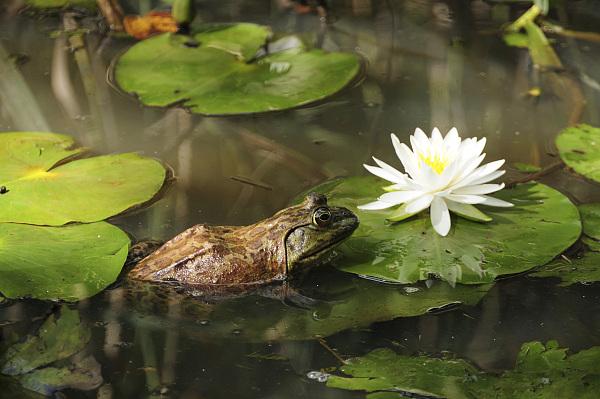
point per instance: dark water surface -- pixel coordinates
(429, 63)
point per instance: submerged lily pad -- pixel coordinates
(540, 372)
(60, 263)
(58, 338)
(579, 148)
(84, 374)
(217, 74)
(43, 188)
(541, 225)
(53, 359)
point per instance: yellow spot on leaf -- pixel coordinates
(38, 174)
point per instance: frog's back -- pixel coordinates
(207, 255)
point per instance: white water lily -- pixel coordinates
(442, 173)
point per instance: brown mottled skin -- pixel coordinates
(293, 239)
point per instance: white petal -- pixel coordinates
(406, 156)
(491, 201)
(452, 141)
(436, 138)
(466, 199)
(440, 216)
(390, 169)
(449, 174)
(420, 142)
(375, 206)
(479, 189)
(421, 139)
(398, 197)
(469, 165)
(451, 136)
(384, 174)
(479, 145)
(488, 178)
(419, 204)
(480, 172)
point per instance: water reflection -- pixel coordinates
(430, 63)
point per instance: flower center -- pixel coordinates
(436, 162)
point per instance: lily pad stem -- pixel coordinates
(535, 176)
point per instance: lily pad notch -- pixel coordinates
(54, 244)
(232, 69)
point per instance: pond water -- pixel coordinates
(428, 63)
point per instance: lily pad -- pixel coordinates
(53, 359)
(540, 372)
(583, 270)
(85, 375)
(541, 225)
(217, 73)
(526, 167)
(579, 148)
(60, 263)
(44, 188)
(49, 4)
(58, 338)
(590, 217)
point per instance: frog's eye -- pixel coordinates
(322, 217)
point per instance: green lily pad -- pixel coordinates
(540, 372)
(45, 189)
(49, 4)
(60, 263)
(526, 167)
(220, 76)
(579, 148)
(351, 303)
(582, 270)
(590, 217)
(58, 338)
(585, 268)
(541, 225)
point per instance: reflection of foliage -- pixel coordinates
(53, 359)
(540, 372)
(541, 52)
(43, 185)
(542, 224)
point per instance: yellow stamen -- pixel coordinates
(437, 163)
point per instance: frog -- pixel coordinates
(281, 247)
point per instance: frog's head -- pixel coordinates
(318, 229)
